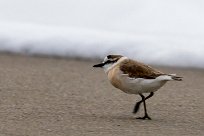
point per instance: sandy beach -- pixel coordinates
(42, 96)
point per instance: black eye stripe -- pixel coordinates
(110, 61)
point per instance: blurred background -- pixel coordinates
(159, 32)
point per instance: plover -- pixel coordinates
(134, 77)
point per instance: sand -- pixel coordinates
(42, 96)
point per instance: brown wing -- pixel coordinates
(139, 70)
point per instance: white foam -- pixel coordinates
(154, 31)
(73, 42)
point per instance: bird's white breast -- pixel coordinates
(133, 85)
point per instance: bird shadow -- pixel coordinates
(122, 117)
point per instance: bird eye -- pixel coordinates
(108, 61)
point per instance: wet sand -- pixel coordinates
(65, 97)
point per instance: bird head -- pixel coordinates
(108, 62)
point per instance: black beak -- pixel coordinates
(99, 65)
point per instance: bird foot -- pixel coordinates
(145, 117)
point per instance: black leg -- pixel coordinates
(145, 110)
(137, 105)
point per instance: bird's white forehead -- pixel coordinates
(105, 59)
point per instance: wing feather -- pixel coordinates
(139, 70)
